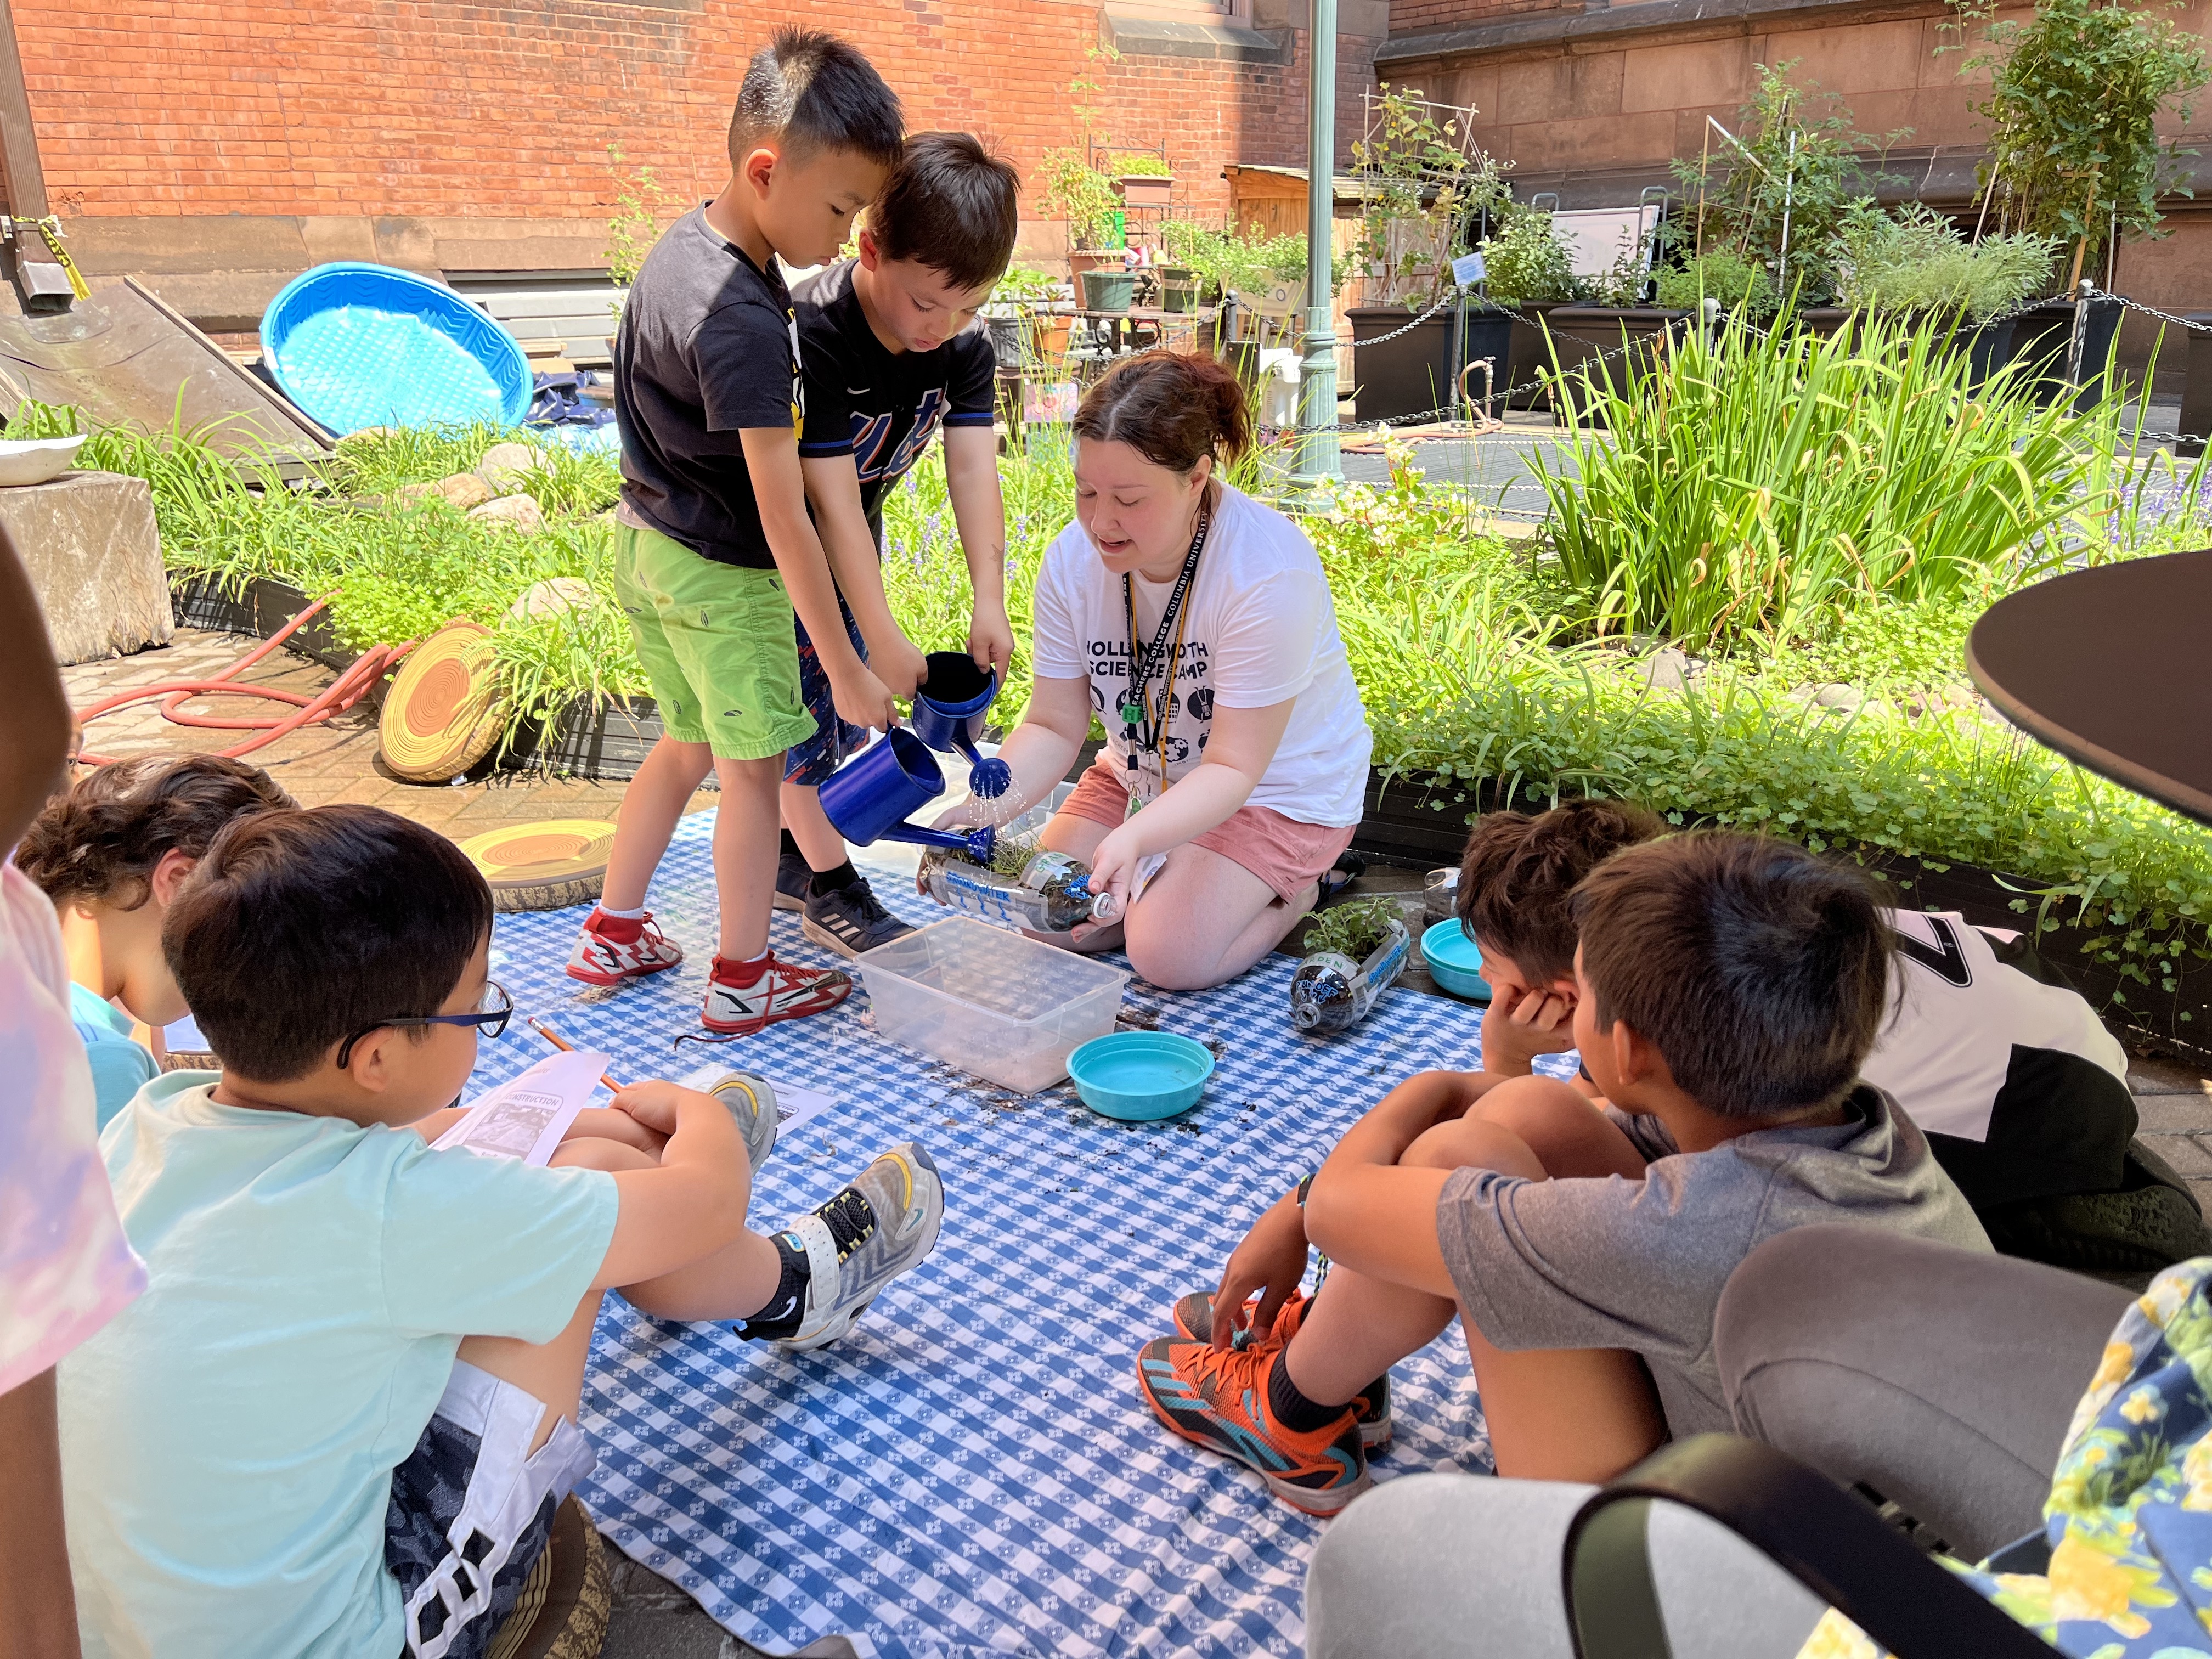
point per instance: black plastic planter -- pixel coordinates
(1614, 348)
(1531, 357)
(1419, 818)
(2043, 337)
(1416, 372)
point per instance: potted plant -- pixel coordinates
(1145, 181)
(1529, 269)
(2075, 92)
(1917, 262)
(1772, 194)
(1612, 334)
(1015, 295)
(1421, 182)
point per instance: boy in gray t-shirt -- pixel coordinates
(1728, 988)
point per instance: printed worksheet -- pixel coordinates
(526, 1117)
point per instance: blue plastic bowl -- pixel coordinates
(1455, 960)
(1140, 1076)
(356, 345)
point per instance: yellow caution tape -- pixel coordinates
(50, 228)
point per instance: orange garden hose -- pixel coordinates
(336, 698)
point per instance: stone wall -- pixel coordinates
(1594, 101)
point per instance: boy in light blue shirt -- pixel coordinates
(342, 1417)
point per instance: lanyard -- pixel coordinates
(1135, 704)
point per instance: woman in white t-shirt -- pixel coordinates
(1196, 624)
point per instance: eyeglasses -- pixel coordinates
(493, 1012)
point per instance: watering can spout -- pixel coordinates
(976, 844)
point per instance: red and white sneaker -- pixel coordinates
(612, 949)
(783, 991)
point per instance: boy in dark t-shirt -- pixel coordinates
(891, 355)
(714, 550)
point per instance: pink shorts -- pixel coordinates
(1289, 856)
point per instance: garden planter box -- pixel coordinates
(2041, 338)
(1092, 259)
(1988, 347)
(262, 610)
(1421, 819)
(1821, 321)
(1529, 355)
(2197, 388)
(1417, 372)
(1140, 190)
(1583, 335)
(606, 741)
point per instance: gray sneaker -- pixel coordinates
(880, 1226)
(793, 881)
(851, 920)
(752, 1103)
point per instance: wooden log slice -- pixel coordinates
(446, 707)
(547, 866)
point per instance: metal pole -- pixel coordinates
(1320, 463)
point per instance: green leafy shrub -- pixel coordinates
(1527, 261)
(1778, 192)
(1139, 164)
(1916, 261)
(2075, 92)
(1741, 285)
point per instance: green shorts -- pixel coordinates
(717, 644)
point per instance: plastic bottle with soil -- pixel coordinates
(1330, 993)
(1045, 898)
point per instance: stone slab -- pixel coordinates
(94, 557)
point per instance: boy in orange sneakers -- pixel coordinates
(713, 548)
(1727, 989)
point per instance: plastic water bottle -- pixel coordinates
(1330, 993)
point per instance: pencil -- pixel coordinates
(567, 1048)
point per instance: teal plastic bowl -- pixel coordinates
(1140, 1077)
(1455, 960)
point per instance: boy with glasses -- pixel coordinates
(343, 1415)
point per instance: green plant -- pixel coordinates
(1622, 283)
(1741, 285)
(1073, 188)
(2074, 96)
(1774, 192)
(1527, 259)
(1081, 194)
(641, 211)
(1354, 929)
(1420, 181)
(1228, 263)
(1138, 164)
(1751, 488)
(1022, 284)
(1918, 261)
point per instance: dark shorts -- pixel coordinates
(812, 759)
(472, 1510)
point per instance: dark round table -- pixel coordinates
(2109, 667)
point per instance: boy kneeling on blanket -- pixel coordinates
(1729, 987)
(341, 1418)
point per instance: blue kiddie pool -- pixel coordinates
(357, 345)
(1455, 960)
(1140, 1076)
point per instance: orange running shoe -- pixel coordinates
(1218, 1398)
(1194, 1317)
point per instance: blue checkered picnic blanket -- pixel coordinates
(971, 1469)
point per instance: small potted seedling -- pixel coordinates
(1145, 180)
(1354, 953)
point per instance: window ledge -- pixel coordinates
(1153, 37)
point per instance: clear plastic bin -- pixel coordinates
(989, 1001)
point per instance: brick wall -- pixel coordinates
(442, 109)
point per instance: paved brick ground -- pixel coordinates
(653, 1618)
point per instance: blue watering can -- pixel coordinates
(870, 796)
(948, 715)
